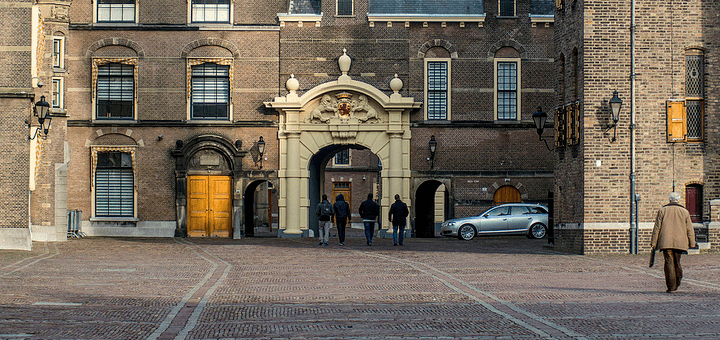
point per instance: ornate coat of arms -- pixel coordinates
(344, 107)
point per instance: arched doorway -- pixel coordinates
(431, 199)
(360, 177)
(207, 171)
(260, 209)
(343, 112)
(506, 194)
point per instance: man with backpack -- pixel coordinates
(342, 215)
(325, 213)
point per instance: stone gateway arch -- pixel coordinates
(342, 112)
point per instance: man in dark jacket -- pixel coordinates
(369, 211)
(673, 233)
(342, 214)
(398, 217)
(325, 212)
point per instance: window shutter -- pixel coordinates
(676, 125)
(576, 119)
(569, 122)
(560, 127)
(559, 4)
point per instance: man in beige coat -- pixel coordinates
(673, 234)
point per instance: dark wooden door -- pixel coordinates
(693, 200)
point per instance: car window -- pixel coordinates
(497, 211)
(519, 210)
(537, 210)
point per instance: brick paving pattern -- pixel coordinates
(488, 288)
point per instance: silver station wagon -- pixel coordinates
(512, 218)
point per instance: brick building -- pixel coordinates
(666, 138)
(199, 118)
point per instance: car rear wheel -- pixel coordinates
(537, 230)
(466, 232)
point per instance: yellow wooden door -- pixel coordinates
(209, 206)
(220, 216)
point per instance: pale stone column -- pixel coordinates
(293, 177)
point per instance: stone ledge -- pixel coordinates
(15, 238)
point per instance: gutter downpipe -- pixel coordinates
(633, 195)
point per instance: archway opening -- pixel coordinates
(431, 200)
(261, 209)
(351, 170)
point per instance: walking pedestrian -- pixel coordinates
(398, 217)
(342, 215)
(369, 210)
(325, 212)
(673, 233)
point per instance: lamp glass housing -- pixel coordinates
(261, 146)
(42, 109)
(615, 106)
(433, 145)
(539, 118)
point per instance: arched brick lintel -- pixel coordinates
(116, 42)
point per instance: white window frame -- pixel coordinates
(96, 16)
(190, 15)
(58, 53)
(514, 14)
(349, 151)
(448, 110)
(352, 9)
(95, 150)
(518, 89)
(95, 70)
(58, 86)
(198, 61)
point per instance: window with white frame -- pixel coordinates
(210, 91)
(114, 185)
(506, 8)
(211, 11)
(115, 91)
(344, 7)
(58, 52)
(437, 88)
(116, 11)
(342, 157)
(57, 93)
(507, 89)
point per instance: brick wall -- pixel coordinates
(473, 149)
(595, 186)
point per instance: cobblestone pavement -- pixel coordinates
(487, 288)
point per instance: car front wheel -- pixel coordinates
(466, 232)
(537, 230)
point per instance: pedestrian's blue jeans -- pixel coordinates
(369, 230)
(398, 239)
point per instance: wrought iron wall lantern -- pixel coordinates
(539, 118)
(615, 106)
(261, 151)
(41, 110)
(432, 145)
